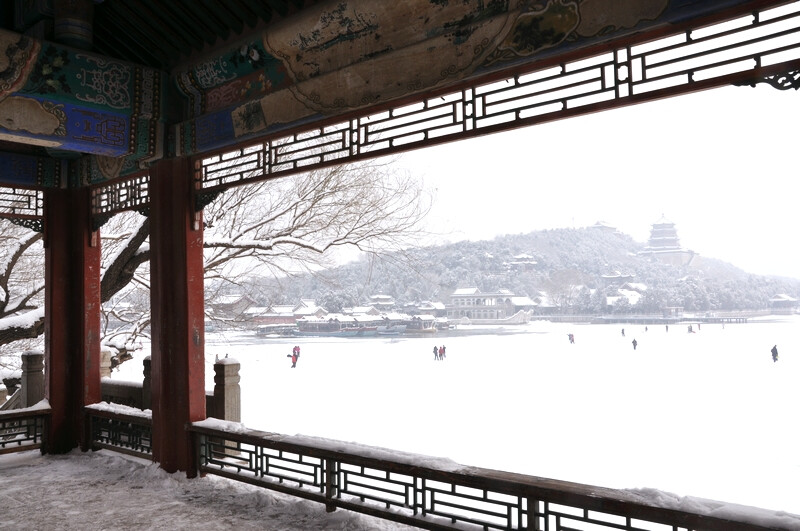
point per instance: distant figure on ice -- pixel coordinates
(294, 355)
(690, 329)
(435, 352)
(667, 327)
(774, 353)
(645, 329)
(623, 332)
(571, 339)
(441, 353)
(634, 343)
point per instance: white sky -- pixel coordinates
(720, 164)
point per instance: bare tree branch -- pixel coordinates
(277, 227)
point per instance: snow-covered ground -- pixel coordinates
(700, 415)
(106, 490)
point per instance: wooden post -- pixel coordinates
(147, 382)
(534, 514)
(72, 316)
(176, 300)
(330, 472)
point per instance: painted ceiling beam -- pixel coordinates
(338, 58)
(333, 59)
(70, 100)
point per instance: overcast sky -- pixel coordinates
(720, 164)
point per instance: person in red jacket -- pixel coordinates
(294, 355)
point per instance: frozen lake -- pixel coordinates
(705, 414)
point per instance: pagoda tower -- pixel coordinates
(664, 244)
(663, 236)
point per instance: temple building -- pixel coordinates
(665, 246)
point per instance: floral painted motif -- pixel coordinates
(17, 56)
(48, 76)
(248, 54)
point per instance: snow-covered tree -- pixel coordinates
(278, 227)
(21, 284)
(563, 287)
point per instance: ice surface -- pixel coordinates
(706, 415)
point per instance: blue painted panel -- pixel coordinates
(19, 169)
(213, 131)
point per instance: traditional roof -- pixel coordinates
(466, 291)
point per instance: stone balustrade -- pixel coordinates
(223, 403)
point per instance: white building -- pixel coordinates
(473, 304)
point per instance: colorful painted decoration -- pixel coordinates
(329, 59)
(56, 97)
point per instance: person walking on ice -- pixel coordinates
(294, 355)
(435, 352)
(774, 353)
(634, 343)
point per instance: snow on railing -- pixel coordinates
(120, 428)
(433, 493)
(24, 429)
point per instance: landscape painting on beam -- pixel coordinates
(340, 56)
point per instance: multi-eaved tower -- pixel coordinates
(664, 244)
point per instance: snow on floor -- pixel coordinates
(104, 490)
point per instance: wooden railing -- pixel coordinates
(415, 490)
(113, 429)
(434, 495)
(23, 429)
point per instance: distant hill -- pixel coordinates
(538, 263)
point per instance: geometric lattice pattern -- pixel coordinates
(21, 202)
(748, 49)
(764, 43)
(131, 193)
(120, 432)
(430, 498)
(22, 430)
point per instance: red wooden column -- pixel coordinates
(72, 316)
(176, 300)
